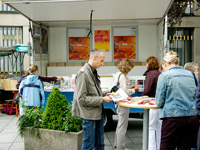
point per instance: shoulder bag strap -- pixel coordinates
(195, 79)
(118, 79)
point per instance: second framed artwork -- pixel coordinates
(124, 47)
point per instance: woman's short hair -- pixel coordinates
(171, 58)
(152, 62)
(32, 68)
(125, 65)
(192, 66)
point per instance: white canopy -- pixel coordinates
(64, 12)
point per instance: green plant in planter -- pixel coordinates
(57, 115)
(72, 124)
(31, 118)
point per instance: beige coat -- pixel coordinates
(88, 97)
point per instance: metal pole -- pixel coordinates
(165, 36)
(145, 129)
(12, 62)
(8, 64)
(40, 50)
(31, 53)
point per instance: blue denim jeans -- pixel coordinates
(93, 134)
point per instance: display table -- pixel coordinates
(146, 108)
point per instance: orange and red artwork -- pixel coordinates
(102, 40)
(79, 48)
(124, 47)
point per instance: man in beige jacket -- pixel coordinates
(88, 102)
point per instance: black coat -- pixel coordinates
(151, 82)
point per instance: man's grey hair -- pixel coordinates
(96, 52)
(191, 66)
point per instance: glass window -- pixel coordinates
(180, 41)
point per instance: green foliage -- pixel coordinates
(72, 124)
(31, 118)
(177, 10)
(56, 116)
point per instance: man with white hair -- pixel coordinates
(88, 102)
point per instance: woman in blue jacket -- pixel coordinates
(31, 88)
(175, 95)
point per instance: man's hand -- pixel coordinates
(108, 94)
(60, 78)
(136, 88)
(107, 99)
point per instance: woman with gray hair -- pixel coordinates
(175, 95)
(192, 66)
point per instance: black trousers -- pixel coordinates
(180, 133)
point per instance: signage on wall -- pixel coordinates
(79, 48)
(102, 40)
(124, 47)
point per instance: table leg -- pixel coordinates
(145, 129)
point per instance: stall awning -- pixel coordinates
(54, 12)
(6, 51)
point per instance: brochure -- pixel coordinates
(119, 95)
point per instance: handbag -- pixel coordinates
(116, 87)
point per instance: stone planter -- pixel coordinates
(53, 140)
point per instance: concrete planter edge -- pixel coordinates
(53, 140)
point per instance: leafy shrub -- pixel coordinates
(54, 114)
(57, 115)
(72, 124)
(31, 118)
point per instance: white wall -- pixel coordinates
(25, 41)
(57, 44)
(147, 46)
(147, 42)
(104, 70)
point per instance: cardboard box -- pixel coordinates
(52, 64)
(60, 64)
(109, 63)
(137, 63)
(77, 64)
(69, 64)
(83, 63)
(116, 63)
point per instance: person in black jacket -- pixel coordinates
(150, 85)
